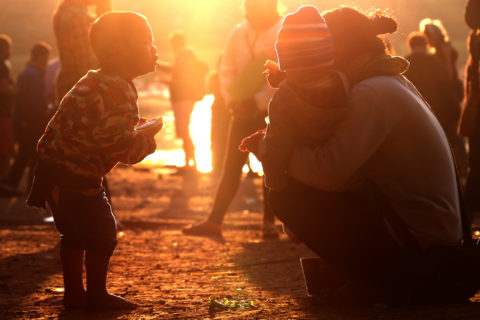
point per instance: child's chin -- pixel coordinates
(147, 70)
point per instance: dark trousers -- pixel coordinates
(232, 169)
(84, 222)
(26, 157)
(344, 228)
(219, 132)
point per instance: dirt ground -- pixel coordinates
(169, 275)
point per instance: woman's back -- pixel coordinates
(413, 164)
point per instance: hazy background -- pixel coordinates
(207, 23)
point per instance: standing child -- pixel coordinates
(93, 130)
(311, 99)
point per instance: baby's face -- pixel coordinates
(142, 52)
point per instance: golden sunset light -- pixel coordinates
(239, 159)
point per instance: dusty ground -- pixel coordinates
(169, 275)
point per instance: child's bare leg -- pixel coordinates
(72, 265)
(98, 298)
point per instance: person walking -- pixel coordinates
(187, 86)
(247, 94)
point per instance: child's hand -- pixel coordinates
(252, 143)
(150, 128)
(273, 73)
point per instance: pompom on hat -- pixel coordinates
(304, 41)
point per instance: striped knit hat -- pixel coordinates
(304, 41)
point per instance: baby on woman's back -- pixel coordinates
(312, 97)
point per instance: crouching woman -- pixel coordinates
(378, 233)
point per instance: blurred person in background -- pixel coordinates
(432, 80)
(448, 112)
(7, 93)
(470, 126)
(30, 112)
(247, 94)
(71, 21)
(187, 86)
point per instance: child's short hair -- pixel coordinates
(114, 27)
(5, 42)
(416, 39)
(40, 50)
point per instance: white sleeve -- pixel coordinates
(365, 127)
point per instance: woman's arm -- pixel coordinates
(358, 137)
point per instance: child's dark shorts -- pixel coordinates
(84, 222)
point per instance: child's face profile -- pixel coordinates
(140, 51)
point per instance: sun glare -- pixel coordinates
(200, 126)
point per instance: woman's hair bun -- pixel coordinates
(382, 24)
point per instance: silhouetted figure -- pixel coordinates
(71, 22)
(312, 100)
(93, 130)
(432, 81)
(448, 111)
(187, 86)
(7, 93)
(247, 94)
(30, 113)
(470, 124)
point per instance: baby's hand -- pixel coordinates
(151, 127)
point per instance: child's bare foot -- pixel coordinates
(74, 301)
(108, 302)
